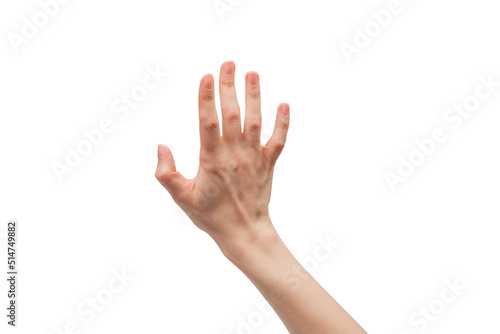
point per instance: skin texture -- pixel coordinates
(229, 199)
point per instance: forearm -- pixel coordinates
(298, 299)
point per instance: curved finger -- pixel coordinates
(276, 143)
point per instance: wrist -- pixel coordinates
(249, 242)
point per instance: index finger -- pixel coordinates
(210, 139)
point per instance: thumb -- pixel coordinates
(166, 173)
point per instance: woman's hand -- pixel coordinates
(229, 196)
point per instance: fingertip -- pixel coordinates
(162, 152)
(229, 67)
(252, 78)
(165, 155)
(207, 81)
(165, 159)
(284, 108)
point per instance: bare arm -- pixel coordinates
(229, 198)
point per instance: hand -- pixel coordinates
(229, 200)
(230, 194)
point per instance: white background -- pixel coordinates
(350, 123)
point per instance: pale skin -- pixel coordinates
(229, 199)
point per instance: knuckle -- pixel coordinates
(208, 97)
(285, 125)
(254, 93)
(236, 166)
(162, 176)
(232, 114)
(228, 82)
(210, 125)
(209, 156)
(254, 125)
(279, 146)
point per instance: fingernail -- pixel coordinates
(229, 67)
(208, 82)
(253, 78)
(285, 109)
